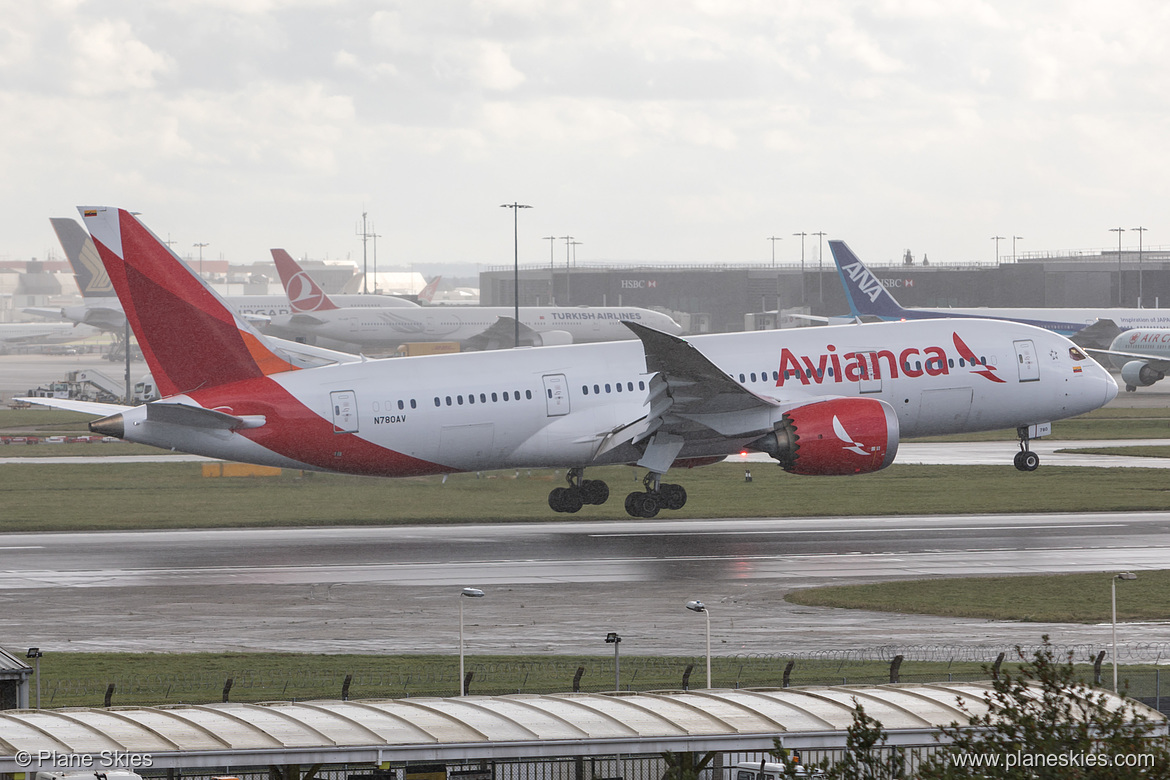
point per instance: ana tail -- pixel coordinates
(303, 293)
(866, 294)
(190, 338)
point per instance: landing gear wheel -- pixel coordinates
(594, 491)
(642, 504)
(1027, 461)
(565, 500)
(673, 496)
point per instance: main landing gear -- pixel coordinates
(1025, 459)
(579, 492)
(658, 495)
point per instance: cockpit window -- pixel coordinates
(1076, 354)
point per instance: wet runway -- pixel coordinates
(555, 588)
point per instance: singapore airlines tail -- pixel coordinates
(304, 294)
(190, 338)
(92, 280)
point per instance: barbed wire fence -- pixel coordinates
(873, 665)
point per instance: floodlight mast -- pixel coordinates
(698, 606)
(473, 593)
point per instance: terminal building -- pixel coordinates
(729, 298)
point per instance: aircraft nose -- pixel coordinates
(1110, 387)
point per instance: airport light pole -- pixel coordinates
(201, 258)
(1118, 231)
(516, 259)
(802, 235)
(1140, 231)
(1125, 575)
(568, 288)
(35, 653)
(552, 272)
(473, 593)
(820, 261)
(1015, 257)
(997, 239)
(698, 606)
(774, 239)
(613, 639)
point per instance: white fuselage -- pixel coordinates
(376, 328)
(558, 406)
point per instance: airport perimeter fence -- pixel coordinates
(388, 677)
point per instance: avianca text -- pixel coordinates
(859, 366)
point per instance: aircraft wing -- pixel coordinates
(1156, 362)
(501, 334)
(1098, 335)
(691, 400)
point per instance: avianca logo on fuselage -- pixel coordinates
(859, 366)
(867, 284)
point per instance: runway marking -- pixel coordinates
(749, 532)
(26, 547)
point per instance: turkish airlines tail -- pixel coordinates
(304, 294)
(867, 295)
(190, 338)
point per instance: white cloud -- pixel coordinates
(109, 58)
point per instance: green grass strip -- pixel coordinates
(1048, 598)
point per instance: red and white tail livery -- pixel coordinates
(822, 401)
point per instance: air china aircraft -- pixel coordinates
(318, 320)
(868, 298)
(822, 401)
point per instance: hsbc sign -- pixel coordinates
(638, 284)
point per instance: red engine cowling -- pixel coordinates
(841, 436)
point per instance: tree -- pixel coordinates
(685, 766)
(1042, 722)
(867, 756)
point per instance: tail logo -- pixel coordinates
(851, 445)
(867, 284)
(986, 371)
(303, 293)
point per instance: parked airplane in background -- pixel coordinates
(318, 320)
(17, 334)
(102, 309)
(868, 298)
(822, 401)
(1142, 355)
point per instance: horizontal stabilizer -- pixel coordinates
(198, 417)
(85, 407)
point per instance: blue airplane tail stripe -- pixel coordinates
(866, 294)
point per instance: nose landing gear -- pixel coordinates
(1025, 459)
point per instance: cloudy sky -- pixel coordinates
(651, 130)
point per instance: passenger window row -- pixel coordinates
(617, 387)
(471, 398)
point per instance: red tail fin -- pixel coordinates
(188, 335)
(303, 293)
(428, 292)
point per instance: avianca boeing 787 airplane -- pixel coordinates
(822, 401)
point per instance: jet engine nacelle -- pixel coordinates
(552, 338)
(840, 436)
(1137, 373)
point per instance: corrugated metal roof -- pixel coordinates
(487, 726)
(10, 665)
